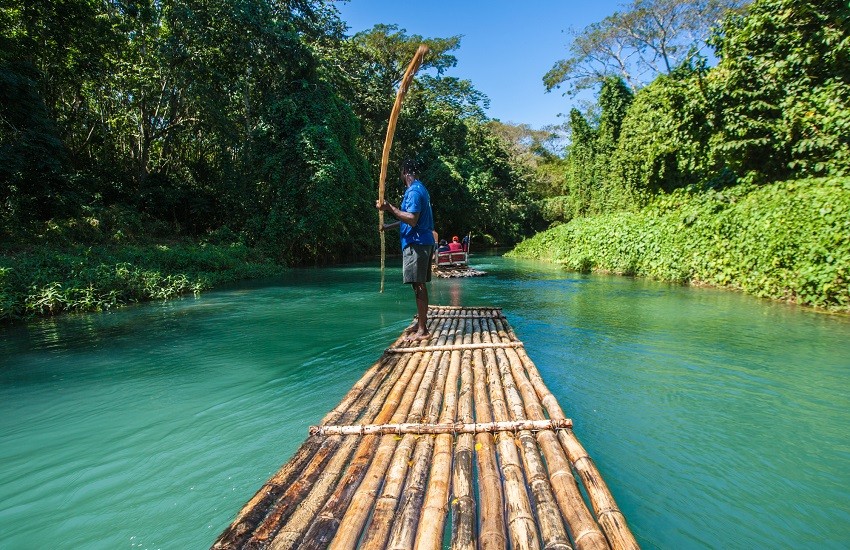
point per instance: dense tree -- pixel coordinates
(258, 121)
(664, 142)
(443, 124)
(774, 107)
(783, 89)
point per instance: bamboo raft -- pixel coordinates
(456, 271)
(454, 441)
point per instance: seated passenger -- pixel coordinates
(455, 245)
(444, 247)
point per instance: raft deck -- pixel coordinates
(456, 440)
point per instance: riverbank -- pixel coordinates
(47, 280)
(788, 241)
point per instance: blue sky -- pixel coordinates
(507, 45)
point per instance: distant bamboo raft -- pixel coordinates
(456, 271)
(456, 438)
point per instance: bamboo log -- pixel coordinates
(325, 526)
(463, 504)
(379, 528)
(464, 316)
(522, 528)
(610, 518)
(453, 428)
(552, 529)
(412, 406)
(456, 347)
(319, 465)
(291, 533)
(493, 532)
(295, 528)
(429, 533)
(405, 524)
(257, 508)
(583, 528)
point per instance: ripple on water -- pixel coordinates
(717, 420)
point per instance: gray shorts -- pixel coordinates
(416, 263)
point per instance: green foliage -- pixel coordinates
(774, 108)
(51, 281)
(783, 90)
(316, 204)
(664, 140)
(788, 241)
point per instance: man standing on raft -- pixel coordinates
(416, 225)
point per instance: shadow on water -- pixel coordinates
(718, 420)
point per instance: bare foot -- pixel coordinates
(418, 336)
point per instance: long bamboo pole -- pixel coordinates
(289, 535)
(388, 455)
(463, 535)
(453, 428)
(322, 526)
(403, 532)
(429, 533)
(583, 528)
(388, 141)
(552, 529)
(608, 515)
(522, 527)
(454, 347)
(318, 466)
(492, 522)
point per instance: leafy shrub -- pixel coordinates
(50, 281)
(790, 241)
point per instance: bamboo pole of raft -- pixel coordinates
(318, 476)
(583, 527)
(522, 528)
(403, 532)
(453, 347)
(429, 533)
(388, 141)
(463, 504)
(411, 405)
(493, 533)
(380, 527)
(349, 408)
(390, 469)
(491, 494)
(335, 484)
(326, 526)
(307, 505)
(451, 428)
(608, 515)
(552, 529)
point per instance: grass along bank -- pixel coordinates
(47, 281)
(788, 241)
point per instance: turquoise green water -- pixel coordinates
(718, 420)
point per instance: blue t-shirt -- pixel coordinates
(416, 199)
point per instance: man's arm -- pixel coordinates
(389, 226)
(410, 218)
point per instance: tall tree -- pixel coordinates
(648, 38)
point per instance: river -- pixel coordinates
(718, 420)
